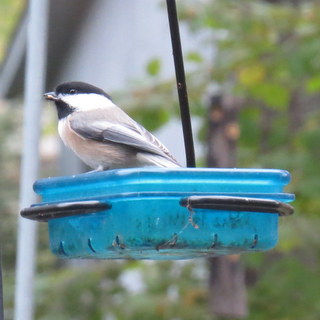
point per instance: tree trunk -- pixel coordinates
(296, 112)
(227, 290)
(228, 294)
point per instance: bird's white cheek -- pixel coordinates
(87, 102)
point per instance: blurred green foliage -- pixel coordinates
(153, 67)
(10, 144)
(10, 12)
(98, 292)
(268, 55)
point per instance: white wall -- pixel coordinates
(117, 41)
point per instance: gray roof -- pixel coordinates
(104, 42)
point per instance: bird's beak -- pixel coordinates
(51, 96)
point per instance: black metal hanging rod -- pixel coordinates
(181, 82)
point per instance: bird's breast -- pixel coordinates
(80, 145)
(68, 136)
(96, 154)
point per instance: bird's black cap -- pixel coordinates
(70, 88)
(76, 87)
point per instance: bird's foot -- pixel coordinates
(100, 168)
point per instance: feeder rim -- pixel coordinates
(281, 174)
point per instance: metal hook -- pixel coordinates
(91, 246)
(181, 82)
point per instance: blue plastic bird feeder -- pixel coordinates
(156, 213)
(162, 213)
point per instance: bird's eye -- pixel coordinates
(73, 91)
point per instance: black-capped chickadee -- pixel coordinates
(101, 134)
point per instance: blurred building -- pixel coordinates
(104, 42)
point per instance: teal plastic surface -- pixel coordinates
(146, 220)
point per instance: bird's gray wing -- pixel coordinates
(98, 127)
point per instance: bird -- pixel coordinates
(101, 134)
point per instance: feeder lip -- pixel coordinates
(63, 209)
(230, 203)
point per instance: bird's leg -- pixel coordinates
(100, 168)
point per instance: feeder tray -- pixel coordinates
(156, 213)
